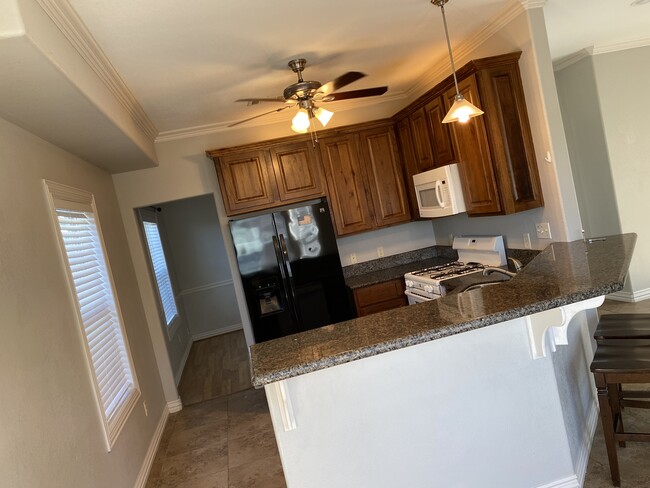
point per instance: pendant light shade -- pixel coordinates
(323, 115)
(462, 110)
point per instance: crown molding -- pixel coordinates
(463, 51)
(620, 46)
(567, 61)
(73, 28)
(528, 4)
(270, 119)
(595, 50)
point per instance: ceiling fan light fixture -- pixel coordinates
(300, 122)
(323, 115)
(461, 111)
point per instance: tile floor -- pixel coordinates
(225, 442)
(228, 442)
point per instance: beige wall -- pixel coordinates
(620, 136)
(50, 432)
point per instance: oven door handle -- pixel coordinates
(416, 297)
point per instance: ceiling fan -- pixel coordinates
(305, 94)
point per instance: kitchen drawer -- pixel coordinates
(379, 297)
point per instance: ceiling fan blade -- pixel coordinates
(366, 92)
(255, 101)
(261, 115)
(340, 82)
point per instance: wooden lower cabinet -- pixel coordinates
(379, 297)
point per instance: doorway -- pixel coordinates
(190, 271)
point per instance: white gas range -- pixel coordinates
(474, 254)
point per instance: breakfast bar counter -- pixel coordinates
(564, 273)
(485, 388)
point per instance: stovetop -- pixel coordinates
(445, 271)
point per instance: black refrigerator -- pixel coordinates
(291, 271)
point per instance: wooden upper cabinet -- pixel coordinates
(385, 176)
(297, 171)
(441, 138)
(410, 166)
(421, 141)
(344, 172)
(477, 172)
(258, 179)
(246, 181)
(510, 136)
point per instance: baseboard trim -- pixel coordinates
(568, 482)
(186, 354)
(175, 406)
(630, 297)
(587, 441)
(216, 332)
(149, 457)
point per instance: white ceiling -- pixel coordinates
(182, 64)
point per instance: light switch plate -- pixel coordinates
(353, 258)
(380, 251)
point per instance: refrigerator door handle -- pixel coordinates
(281, 261)
(285, 255)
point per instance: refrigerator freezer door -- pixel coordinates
(263, 277)
(314, 275)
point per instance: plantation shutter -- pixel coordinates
(100, 320)
(161, 272)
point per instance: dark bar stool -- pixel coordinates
(623, 326)
(619, 361)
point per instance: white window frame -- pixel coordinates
(64, 197)
(171, 328)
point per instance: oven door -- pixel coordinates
(414, 296)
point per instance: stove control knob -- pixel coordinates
(409, 283)
(428, 288)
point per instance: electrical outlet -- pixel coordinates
(451, 239)
(543, 230)
(380, 251)
(146, 410)
(527, 244)
(353, 258)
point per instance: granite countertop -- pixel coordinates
(387, 274)
(565, 272)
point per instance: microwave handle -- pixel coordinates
(441, 201)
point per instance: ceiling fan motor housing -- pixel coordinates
(300, 90)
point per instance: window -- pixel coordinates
(158, 262)
(97, 309)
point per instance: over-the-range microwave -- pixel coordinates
(439, 192)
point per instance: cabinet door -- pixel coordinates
(410, 166)
(297, 171)
(512, 141)
(345, 179)
(385, 176)
(246, 181)
(476, 170)
(441, 139)
(421, 140)
(379, 297)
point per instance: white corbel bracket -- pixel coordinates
(556, 319)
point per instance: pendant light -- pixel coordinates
(461, 110)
